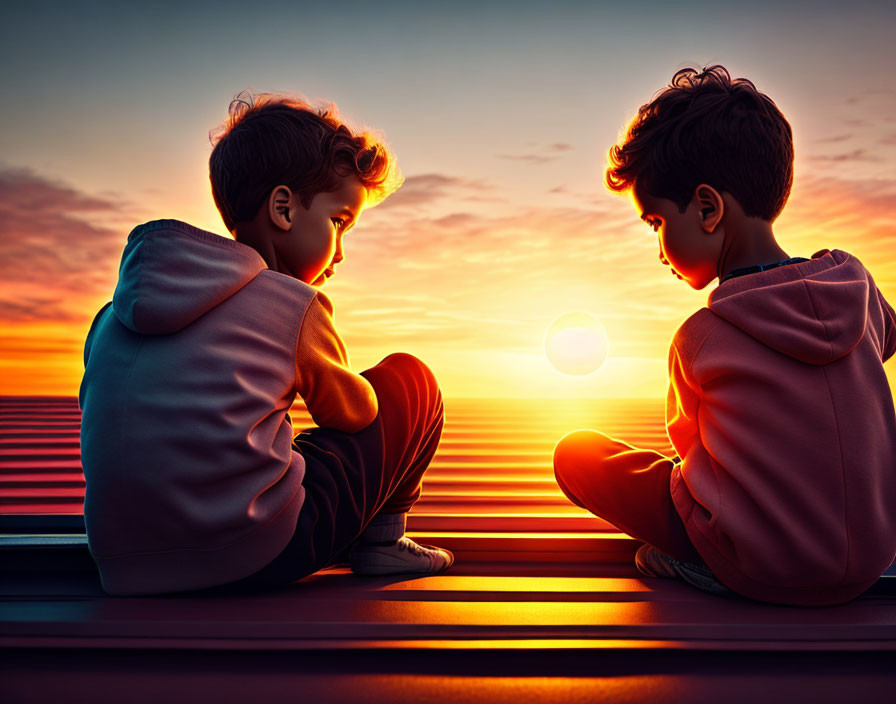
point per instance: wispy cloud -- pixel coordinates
(424, 189)
(548, 153)
(535, 159)
(834, 139)
(56, 247)
(853, 215)
(847, 157)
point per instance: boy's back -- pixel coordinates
(199, 349)
(780, 407)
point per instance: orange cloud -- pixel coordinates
(59, 253)
(57, 248)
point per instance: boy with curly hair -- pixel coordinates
(784, 488)
(194, 479)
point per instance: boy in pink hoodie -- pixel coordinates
(194, 479)
(784, 488)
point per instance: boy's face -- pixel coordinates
(314, 244)
(685, 244)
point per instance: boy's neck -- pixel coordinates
(258, 239)
(749, 242)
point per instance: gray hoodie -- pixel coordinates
(186, 442)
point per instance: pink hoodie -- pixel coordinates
(781, 412)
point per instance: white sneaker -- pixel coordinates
(401, 557)
(653, 563)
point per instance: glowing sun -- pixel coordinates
(576, 343)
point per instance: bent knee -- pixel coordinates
(569, 451)
(409, 365)
(402, 378)
(579, 451)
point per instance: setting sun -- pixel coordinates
(576, 343)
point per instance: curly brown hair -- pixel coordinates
(707, 128)
(270, 139)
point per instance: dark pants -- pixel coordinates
(350, 478)
(624, 485)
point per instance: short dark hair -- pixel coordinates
(270, 139)
(707, 128)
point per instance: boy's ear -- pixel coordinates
(711, 206)
(279, 205)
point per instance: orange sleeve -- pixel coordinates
(336, 396)
(685, 393)
(682, 401)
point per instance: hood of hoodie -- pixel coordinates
(171, 273)
(814, 311)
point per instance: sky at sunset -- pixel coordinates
(501, 115)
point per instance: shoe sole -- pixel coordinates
(387, 572)
(652, 563)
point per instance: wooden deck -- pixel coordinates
(543, 603)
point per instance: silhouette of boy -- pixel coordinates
(778, 405)
(194, 479)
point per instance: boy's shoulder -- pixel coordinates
(692, 333)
